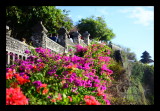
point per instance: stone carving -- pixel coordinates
(76, 37)
(8, 32)
(62, 36)
(38, 32)
(86, 37)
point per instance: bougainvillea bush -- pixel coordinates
(47, 78)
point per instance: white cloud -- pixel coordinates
(140, 14)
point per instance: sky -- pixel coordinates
(132, 25)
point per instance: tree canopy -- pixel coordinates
(146, 58)
(96, 27)
(21, 18)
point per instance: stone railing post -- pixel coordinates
(62, 38)
(86, 37)
(38, 35)
(76, 37)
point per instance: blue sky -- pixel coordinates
(133, 25)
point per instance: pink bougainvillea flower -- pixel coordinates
(45, 91)
(104, 67)
(59, 97)
(70, 98)
(100, 92)
(108, 102)
(53, 100)
(10, 73)
(14, 96)
(90, 100)
(21, 80)
(27, 51)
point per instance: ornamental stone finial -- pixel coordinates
(39, 32)
(86, 37)
(76, 37)
(8, 32)
(62, 36)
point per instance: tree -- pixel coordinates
(131, 56)
(146, 58)
(96, 27)
(22, 18)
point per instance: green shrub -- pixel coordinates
(117, 69)
(121, 101)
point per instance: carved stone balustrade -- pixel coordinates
(53, 46)
(70, 44)
(39, 39)
(16, 47)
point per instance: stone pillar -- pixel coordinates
(38, 35)
(76, 37)
(8, 58)
(62, 37)
(86, 37)
(13, 58)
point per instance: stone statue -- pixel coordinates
(86, 37)
(76, 37)
(62, 36)
(38, 32)
(8, 32)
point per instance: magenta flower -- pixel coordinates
(39, 60)
(70, 79)
(65, 85)
(79, 48)
(108, 102)
(70, 50)
(74, 89)
(27, 52)
(104, 67)
(95, 85)
(103, 87)
(86, 66)
(109, 71)
(51, 72)
(49, 97)
(37, 83)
